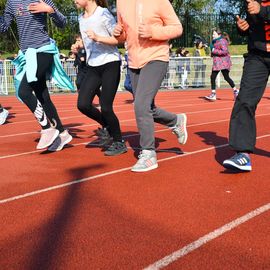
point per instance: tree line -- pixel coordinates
(185, 8)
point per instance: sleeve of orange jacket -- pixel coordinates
(172, 27)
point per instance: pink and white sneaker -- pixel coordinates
(47, 137)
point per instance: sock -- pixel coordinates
(213, 91)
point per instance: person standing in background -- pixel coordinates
(199, 65)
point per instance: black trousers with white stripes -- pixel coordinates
(36, 95)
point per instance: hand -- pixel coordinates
(145, 31)
(211, 47)
(253, 7)
(74, 48)
(91, 34)
(40, 7)
(242, 24)
(118, 30)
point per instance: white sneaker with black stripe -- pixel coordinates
(239, 161)
(147, 161)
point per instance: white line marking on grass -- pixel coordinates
(207, 238)
(29, 194)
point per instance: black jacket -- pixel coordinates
(259, 29)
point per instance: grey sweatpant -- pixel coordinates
(145, 84)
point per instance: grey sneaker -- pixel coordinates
(180, 129)
(3, 116)
(47, 137)
(147, 161)
(104, 137)
(115, 149)
(211, 97)
(58, 144)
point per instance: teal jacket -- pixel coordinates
(27, 63)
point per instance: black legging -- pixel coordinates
(225, 73)
(41, 99)
(107, 77)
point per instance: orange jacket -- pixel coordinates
(164, 23)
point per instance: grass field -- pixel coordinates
(234, 50)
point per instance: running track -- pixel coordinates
(77, 209)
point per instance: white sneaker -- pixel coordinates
(212, 97)
(147, 161)
(3, 116)
(235, 93)
(180, 129)
(47, 137)
(58, 144)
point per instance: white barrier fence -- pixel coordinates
(183, 73)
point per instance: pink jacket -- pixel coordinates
(165, 25)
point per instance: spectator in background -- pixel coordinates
(183, 66)
(80, 59)
(221, 62)
(199, 66)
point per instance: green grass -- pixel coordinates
(234, 50)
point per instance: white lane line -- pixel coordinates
(207, 238)
(33, 193)
(126, 136)
(166, 107)
(122, 121)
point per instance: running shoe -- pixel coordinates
(235, 93)
(147, 161)
(211, 97)
(239, 161)
(3, 116)
(115, 149)
(47, 137)
(59, 143)
(180, 129)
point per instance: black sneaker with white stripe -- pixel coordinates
(239, 161)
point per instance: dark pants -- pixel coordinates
(225, 73)
(41, 99)
(242, 136)
(106, 76)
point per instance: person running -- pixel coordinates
(242, 133)
(147, 25)
(221, 62)
(103, 70)
(37, 57)
(3, 115)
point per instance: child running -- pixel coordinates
(221, 62)
(147, 26)
(37, 57)
(242, 137)
(103, 70)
